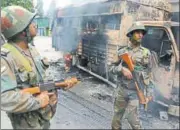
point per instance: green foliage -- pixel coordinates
(28, 4)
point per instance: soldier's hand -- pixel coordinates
(69, 85)
(43, 98)
(127, 73)
(148, 99)
(53, 99)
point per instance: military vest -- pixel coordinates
(27, 72)
(141, 57)
(28, 75)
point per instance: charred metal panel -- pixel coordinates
(94, 50)
(149, 9)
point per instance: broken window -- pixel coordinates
(90, 23)
(111, 22)
(157, 40)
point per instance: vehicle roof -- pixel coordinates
(160, 23)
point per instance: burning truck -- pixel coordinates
(93, 32)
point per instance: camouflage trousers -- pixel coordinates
(125, 109)
(28, 121)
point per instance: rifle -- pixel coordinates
(51, 85)
(126, 58)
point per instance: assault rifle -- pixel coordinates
(126, 58)
(50, 85)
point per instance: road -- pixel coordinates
(89, 105)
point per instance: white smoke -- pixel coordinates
(64, 3)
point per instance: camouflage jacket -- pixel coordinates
(141, 57)
(20, 69)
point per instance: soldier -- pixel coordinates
(126, 101)
(22, 67)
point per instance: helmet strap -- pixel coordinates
(29, 39)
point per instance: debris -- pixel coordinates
(163, 115)
(99, 96)
(173, 110)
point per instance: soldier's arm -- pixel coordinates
(12, 100)
(116, 66)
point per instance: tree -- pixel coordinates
(28, 4)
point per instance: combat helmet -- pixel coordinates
(136, 26)
(14, 19)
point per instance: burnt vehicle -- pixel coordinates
(97, 30)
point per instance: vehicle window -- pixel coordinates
(153, 38)
(90, 23)
(157, 40)
(111, 22)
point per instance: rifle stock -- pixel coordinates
(126, 58)
(33, 90)
(50, 86)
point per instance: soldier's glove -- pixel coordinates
(43, 98)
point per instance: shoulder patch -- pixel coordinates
(4, 51)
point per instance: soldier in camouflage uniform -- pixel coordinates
(22, 67)
(126, 100)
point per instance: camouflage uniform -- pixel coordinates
(21, 69)
(126, 100)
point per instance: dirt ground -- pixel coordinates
(89, 105)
